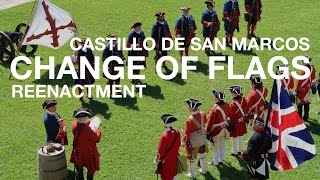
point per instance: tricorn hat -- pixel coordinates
(168, 118)
(185, 8)
(219, 94)
(160, 13)
(212, 2)
(255, 79)
(193, 103)
(49, 103)
(236, 89)
(136, 24)
(82, 112)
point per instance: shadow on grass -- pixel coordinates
(229, 172)
(313, 126)
(71, 175)
(201, 67)
(245, 52)
(97, 107)
(177, 79)
(44, 79)
(129, 103)
(153, 91)
(209, 176)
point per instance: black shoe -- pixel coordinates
(233, 154)
(220, 163)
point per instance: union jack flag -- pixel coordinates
(292, 143)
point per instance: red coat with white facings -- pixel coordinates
(304, 87)
(192, 127)
(288, 84)
(215, 117)
(168, 157)
(237, 117)
(256, 103)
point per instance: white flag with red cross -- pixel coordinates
(51, 26)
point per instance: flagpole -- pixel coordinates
(27, 23)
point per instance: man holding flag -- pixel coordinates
(256, 154)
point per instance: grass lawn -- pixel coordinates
(131, 127)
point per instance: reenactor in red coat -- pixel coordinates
(239, 110)
(195, 122)
(85, 152)
(211, 23)
(217, 126)
(231, 13)
(185, 27)
(256, 99)
(304, 94)
(168, 149)
(288, 84)
(253, 10)
(159, 31)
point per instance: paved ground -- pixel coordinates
(5, 4)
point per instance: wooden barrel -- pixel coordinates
(53, 165)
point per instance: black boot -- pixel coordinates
(80, 173)
(306, 112)
(90, 176)
(300, 110)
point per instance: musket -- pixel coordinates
(157, 50)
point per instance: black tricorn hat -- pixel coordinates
(310, 58)
(236, 89)
(168, 118)
(82, 112)
(160, 13)
(185, 8)
(112, 36)
(209, 2)
(259, 119)
(49, 103)
(255, 79)
(219, 94)
(136, 24)
(193, 103)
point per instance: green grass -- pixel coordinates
(131, 127)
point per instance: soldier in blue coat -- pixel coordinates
(231, 15)
(185, 27)
(252, 15)
(88, 77)
(256, 154)
(210, 22)
(139, 36)
(159, 31)
(114, 51)
(54, 124)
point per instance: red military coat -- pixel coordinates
(256, 103)
(215, 117)
(192, 127)
(288, 84)
(85, 152)
(237, 117)
(168, 157)
(304, 87)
